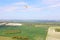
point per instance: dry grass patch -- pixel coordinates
(5, 38)
(38, 38)
(12, 31)
(20, 37)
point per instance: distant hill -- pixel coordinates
(29, 21)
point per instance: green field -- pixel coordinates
(24, 32)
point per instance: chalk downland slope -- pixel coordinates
(53, 34)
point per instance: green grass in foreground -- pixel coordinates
(31, 32)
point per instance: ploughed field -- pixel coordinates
(24, 32)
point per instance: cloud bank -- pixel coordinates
(19, 7)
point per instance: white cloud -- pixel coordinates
(54, 6)
(30, 10)
(20, 3)
(50, 1)
(18, 7)
(25, 7)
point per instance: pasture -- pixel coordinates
(25, 32)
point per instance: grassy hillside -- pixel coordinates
(25, 32)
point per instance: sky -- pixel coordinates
(30, 9)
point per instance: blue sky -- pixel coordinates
(30, 9)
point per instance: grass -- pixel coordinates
(30, 32)
(5, 38)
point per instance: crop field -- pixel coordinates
(25, 32)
